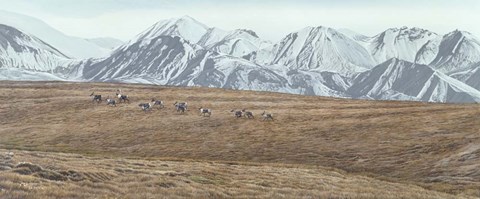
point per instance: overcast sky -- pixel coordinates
(271, 19)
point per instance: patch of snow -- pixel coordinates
(15, 74)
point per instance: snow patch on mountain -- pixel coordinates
(17, 74)
(428, 51)
(73, 47)
(212, 36)
(402, 80)
(318, 83)
(402, 43)
(20, 50)
(353, 35)
(239, 43)
(469, 76)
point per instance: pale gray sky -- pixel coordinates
(271, 19)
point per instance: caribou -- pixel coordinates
(205, 111)
(180, 108)
(122, 97)
(247, 114)
(145, 106)
(96, 98)
(182, 104)
(158, 103)
(111, 102)
(237, 114)
(267, 116)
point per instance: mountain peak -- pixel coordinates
(30, 52)
(459, 33)
(250, 32)
(73, 47)
(396, 62)
(405, 30)
(403, 43)
(186, 27)
(458, 49)
(11, 36)
(324, 28)
(320, 49)
(317, 30)
(186, 17)
(183, 20)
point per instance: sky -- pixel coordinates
(270, 19)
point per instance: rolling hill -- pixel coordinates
(40, 174)
(434, 146)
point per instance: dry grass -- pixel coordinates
(431, 145)
(87, 177)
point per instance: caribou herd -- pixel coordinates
(180, 107)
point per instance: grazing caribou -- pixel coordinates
(122, 97)
(247, 114)
(205, 112)
(158, 103)
(96, 98)
(145, 106)
(182, 104)
(180, 108)
(237, 114)
(267, 116)
(111, 102)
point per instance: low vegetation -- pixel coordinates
(59, 175)
(434, 146)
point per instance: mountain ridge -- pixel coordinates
(312, 61)
(74, 47)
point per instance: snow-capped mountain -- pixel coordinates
(238, 43)
(173, 60)
(185, 27)
(72, 47)
(223, 71)
(402, 43)
(106, 42)
(22, 51)
(319, 49)
(458, 49)
(312, 61)
(161, 58)
(402, 80)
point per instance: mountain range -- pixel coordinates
(397, 64)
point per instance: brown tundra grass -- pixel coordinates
(134, 178)
(408, 144)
